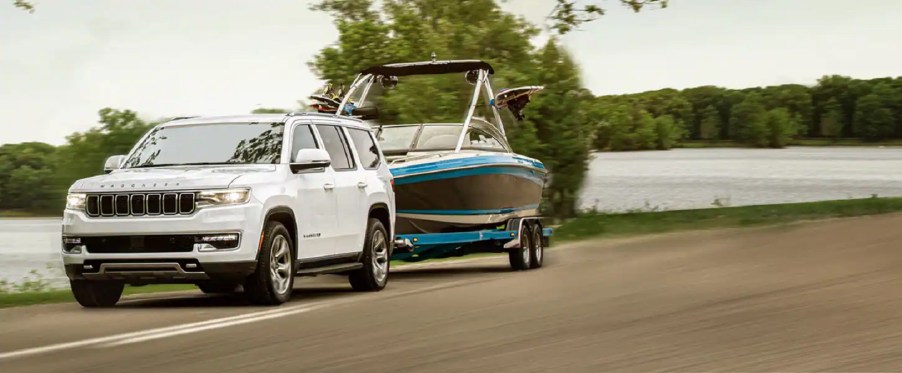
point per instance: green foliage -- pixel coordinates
(24, 5)
(709, 127)
(569, 14)
(668, 132)
(831, 124)
(264, 110)
(873, 121)
(781, 127)
(24, 171)
(748, 120)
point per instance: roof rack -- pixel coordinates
(328, 115)
(185, 117)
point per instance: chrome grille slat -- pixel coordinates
(140, 204)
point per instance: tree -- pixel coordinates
(569, 14)
(669, 132)
(24, 171)
(781, 127)
(831, 124)
(24, 5)
(872, 120)
(84, 152)
(748, 120)
(710, 124)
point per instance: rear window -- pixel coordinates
(366, 148)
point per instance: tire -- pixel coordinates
(375, 259)
(218, 287)
(273, 280)
(537, 248)
(94, 294)
(520, 257)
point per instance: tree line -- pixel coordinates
(836, 107)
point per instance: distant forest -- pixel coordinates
(836, 107)
(34, 176)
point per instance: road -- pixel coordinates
(813, 296)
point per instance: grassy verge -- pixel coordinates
(600, 225)
(63, 296)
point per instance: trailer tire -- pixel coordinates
(536, 248)
(520, 258)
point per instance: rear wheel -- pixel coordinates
(520, 257)
(537, 248)
(376, 252)
(94, 294)
(273, 280)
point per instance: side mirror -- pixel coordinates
(113, 163)
(308, 159)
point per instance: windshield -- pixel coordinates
(394, 139)
(204, 144)
(397, 137)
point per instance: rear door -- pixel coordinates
(349, 188)
(370, 159)
(315, 199)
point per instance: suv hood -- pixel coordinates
(168, 178)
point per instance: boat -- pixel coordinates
(453, 177)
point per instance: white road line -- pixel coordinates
(116, 337)
(195, 329)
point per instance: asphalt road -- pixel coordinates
(815, 296)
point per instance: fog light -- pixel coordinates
(211, 242)
(88, 267)
(77, 249)
(219, 238)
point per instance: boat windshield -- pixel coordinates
(404, 138)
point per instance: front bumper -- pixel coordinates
(158, 271)
(156, 267)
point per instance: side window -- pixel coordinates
(335, 144)
(366, 148)
(302, 139)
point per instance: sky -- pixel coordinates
(61, 64)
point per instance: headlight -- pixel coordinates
(76, 201)
(222, 197)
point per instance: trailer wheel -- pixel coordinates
(536, 248)
(520, 257)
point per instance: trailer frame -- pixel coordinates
(518, 237)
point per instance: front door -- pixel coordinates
(351, 196)
(315, 202)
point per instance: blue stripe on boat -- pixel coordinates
(482, 160)
(452, 173)
(468, 212)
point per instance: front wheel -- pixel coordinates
(93, 294)
(375, 259)
(273, 280)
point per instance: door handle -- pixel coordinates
(328, 186)
(361, 185)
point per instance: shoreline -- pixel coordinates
(600, 225)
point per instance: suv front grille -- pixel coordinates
(140, 204)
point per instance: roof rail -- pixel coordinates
(329, 115)
(185, 117)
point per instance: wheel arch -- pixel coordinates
(380, 211)
(284, 215)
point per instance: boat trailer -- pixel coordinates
(524, 239)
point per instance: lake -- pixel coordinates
(627, 181)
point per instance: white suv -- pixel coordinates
(229, 202)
